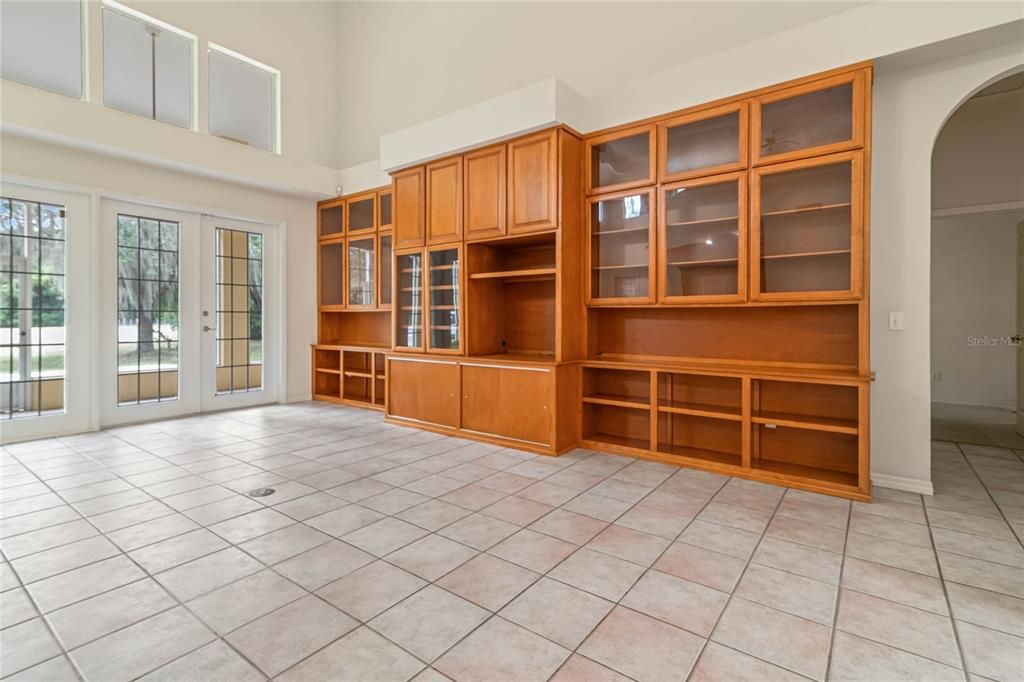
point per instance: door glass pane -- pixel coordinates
(444, 299)
(332, 220)
(624, 160)
(703, 144)
(360, 271)
(32, 291)
(409, 315)
(360, 214)
(239, 311)
(811, 120)
(620, 247)
(806, 218)
(385, 269)
(330, 273)
(385, 209)
(702, 240)
(147, 310)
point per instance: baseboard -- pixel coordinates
(958, 403)
(298, 397)
(910, 485)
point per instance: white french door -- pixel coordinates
(189, 319)
(240, 317)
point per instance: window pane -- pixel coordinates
(41, 44)
(241, 101)
(31, 309)
(147, 325)
(133, 55)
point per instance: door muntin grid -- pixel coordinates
(32, 308)
(147, 310)
(239, 296)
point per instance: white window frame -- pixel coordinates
(193, 42)
(79, 366)
(275, 75)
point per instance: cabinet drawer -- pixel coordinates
(424, 390)
(511, 402)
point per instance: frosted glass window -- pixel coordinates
(242, 101)
(146, 69)
(41, 44)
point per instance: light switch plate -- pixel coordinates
(895, 321)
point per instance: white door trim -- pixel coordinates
(188, 306)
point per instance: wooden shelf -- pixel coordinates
(618, 441)
(325, 370)
(802, 421)
(700, 454)
(701, 410)
(807, 473)
(639, 266)
(705, 221)
(358, 374)
(710, 261)
(728, 368)
(443, 287)
(617, 401)
(805, 209)
(806, 254)
(624, 230)
(509, 274)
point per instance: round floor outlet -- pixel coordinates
(261, 492)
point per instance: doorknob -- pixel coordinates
(208, 328)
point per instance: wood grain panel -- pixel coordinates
(511, 402)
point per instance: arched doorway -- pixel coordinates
(977, 205)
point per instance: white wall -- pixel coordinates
(974, 295)
(910, 107)
(46, 164)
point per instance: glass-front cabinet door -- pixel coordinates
(620, 160)
(331, 219)
(444, 299)
(362, 213)
(807, 229)
(384, 209)
(408, 310)
(703, 240)
(816, 118)
(620, 253)
(332, 282)
(703, 143)
(361, 266)
(384, 268)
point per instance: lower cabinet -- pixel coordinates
(509, 402)
(424, 390)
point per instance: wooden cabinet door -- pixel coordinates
(485, 193)
(409, 199)
(620, 160)
(533, 183)
(620, 251)
(511, 402)
(444, 201)
(384, 209)
(424, 390)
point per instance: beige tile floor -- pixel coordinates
(391, 554)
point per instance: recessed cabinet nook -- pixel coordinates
(689, 289)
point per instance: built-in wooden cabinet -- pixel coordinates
(621, 247)
(807, 236)
(444, 201)
(361, 266)
(484, 194)
(702, 240)
(704, 142)
(444, 299)
(818, 117)
(361, 213)
(533, 183)
(349, 374)
(409, 206)
(424, 390)
(330, 222)
(620, 160)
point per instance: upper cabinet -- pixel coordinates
(384, 258)
(409, 202)
(331, 274)
(620, 249)
(808, 222)
(620, 160)
(444, 201)
(384, 210)
(702, 240)
(484, 215)
(331, 219)
(820, 117)
(703, 143)
(361, 211)
(533, 183)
